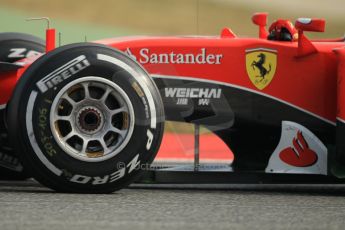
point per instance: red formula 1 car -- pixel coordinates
(88, 117)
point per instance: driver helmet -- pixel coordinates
(282, 30)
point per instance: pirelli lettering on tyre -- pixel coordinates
(64, 72)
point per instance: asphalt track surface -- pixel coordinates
(27, 205)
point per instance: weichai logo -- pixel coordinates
(182, 95)
(193, 92)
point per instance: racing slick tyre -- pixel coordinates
(13, 47)
(16, 46)
(89, 117)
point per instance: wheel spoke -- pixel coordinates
(119, 110)
(106, 94)
(104, 145)
(62, 118)
(69, 99)
(85, 143)
(122, 133)
(68, 136)
(86, 90)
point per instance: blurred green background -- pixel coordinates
(97, 19)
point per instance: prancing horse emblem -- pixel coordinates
(261, 66)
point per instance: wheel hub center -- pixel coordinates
(90, 120)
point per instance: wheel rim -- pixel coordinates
(92, 119)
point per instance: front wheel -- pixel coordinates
(90, 116)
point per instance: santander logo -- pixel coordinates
(299, 154)
(200, 57)
(299, 151)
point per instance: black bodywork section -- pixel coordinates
(249, 123)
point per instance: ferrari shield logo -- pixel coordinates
(261, 66)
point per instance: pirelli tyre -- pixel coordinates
(88, 118)
(13, 47)
(16, 46)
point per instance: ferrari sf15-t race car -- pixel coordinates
(88, 117)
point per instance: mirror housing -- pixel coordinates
(260, 19)
(312, 25)
(305, 46)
